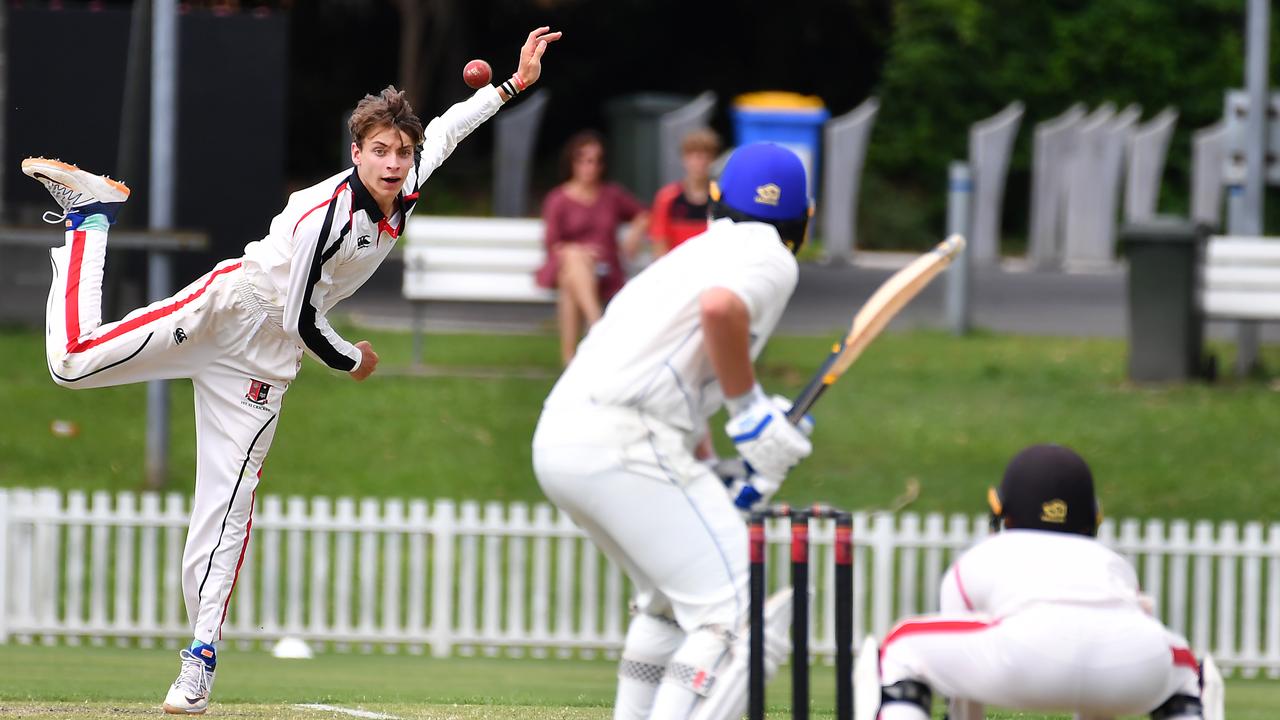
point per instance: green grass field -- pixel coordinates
(51, 682)
(945, 411)
(948, 412)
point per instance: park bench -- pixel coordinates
(471, 259)
(1240, 280)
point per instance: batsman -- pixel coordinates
(623, 447)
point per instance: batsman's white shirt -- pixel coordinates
(1040, 620)
(613, 447)
(647, 352)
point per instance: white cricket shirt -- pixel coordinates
(1019, 568)
(647, 352)
(330, 238)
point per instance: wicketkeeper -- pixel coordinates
(616, 446)
(239, 331)
(1039, 617)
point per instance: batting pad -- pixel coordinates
(728, 700)
(866, 681)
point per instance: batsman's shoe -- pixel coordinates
(189, 694)
(79, 193)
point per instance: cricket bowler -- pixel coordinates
(239, 331)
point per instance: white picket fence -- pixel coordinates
(466, 577)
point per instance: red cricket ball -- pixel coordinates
(477, 74)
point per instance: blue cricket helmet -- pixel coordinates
(765, 182)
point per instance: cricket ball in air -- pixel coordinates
(477, 74)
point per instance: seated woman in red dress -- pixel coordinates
(582, 217)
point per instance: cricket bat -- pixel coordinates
(874, 315)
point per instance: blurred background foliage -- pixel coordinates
(937, 67)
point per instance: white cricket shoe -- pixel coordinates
(78, 192)
(189, 694)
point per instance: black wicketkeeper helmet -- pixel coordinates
(1046, 487)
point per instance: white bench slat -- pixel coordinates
(431, 258)
(474, 259)
(1223, 250)
(475, 287)
(1240, 277)
(1243, 305)
(442, 230)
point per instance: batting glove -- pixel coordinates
(746, 489)
(764, 438)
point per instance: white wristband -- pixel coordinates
(741, 402)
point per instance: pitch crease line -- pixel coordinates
(347, 711)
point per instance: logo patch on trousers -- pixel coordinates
(179, 335)
(258, 392)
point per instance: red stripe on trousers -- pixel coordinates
(1184, 657)
(226, 605)
(933, 627)
(71, 307)
(158, 313)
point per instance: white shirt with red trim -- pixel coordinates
(331, 237)
(1016, 569)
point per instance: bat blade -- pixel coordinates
(874, 316)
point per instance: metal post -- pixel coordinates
(959, 205)
(4, 99)
(418, 330)
(1248, 219)
(4, 566)
(164, 111)
(1255, 147)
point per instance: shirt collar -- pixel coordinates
(362, 199)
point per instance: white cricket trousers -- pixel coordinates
(215, 332)
(1098, 661)
(664, 517)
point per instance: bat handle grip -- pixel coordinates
(817, 385)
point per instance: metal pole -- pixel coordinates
(4, 92)
(164, 111)
(1255, 147)
(1245, 216)
(959, 207)
(4, 569)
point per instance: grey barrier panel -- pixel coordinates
(1083, 171)
(990, 147)
(1114, 140)
(844, 152)
(1147, 150)
(1055, 142)
(673, 126)
(1208, 151)
(516, 139)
